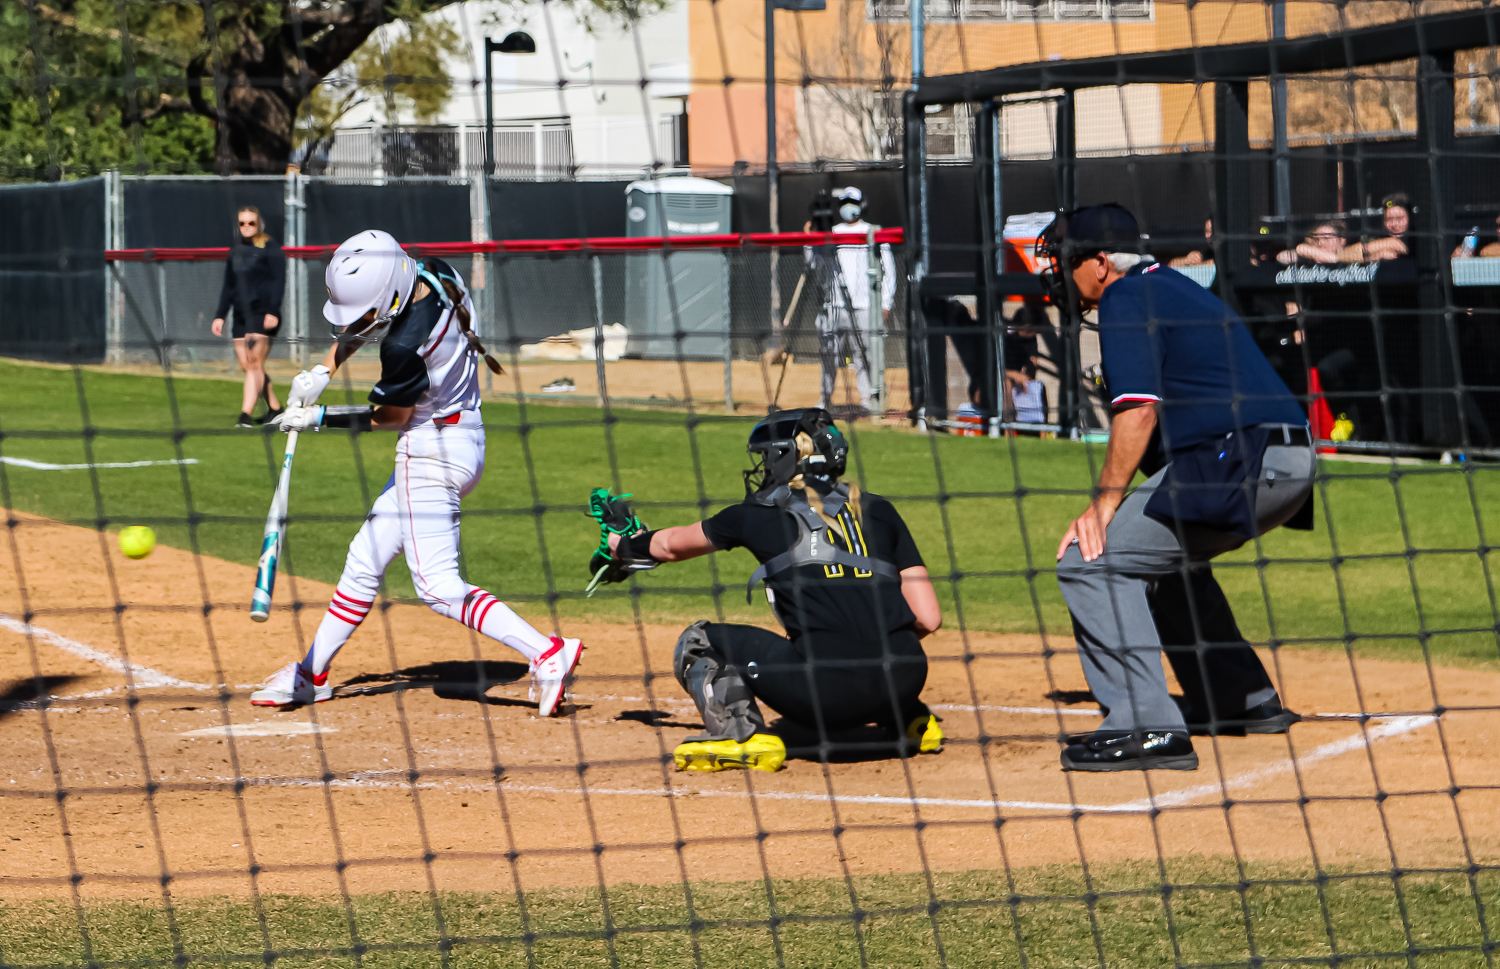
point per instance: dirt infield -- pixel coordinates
(411, 771)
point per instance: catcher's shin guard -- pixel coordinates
(721, 694)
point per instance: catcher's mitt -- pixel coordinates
(615, 518)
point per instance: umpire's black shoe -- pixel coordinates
(1114, 751)
(1268, 717)
(243, 421)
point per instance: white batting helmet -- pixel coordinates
(370, 271)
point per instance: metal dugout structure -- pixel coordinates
(1442, 411)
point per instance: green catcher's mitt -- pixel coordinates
(615, 518)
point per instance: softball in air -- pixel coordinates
(137, 541)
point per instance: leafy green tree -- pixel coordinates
(400, 68)
(156, 85)
(214, 85)
(68, 104)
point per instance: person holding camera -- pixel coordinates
(842, 270)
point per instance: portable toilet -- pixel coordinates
(671, 291)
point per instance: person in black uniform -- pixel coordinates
(844, 578)
(254, 282)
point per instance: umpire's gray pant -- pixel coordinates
(1118, 642)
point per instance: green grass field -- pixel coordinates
(1411, 567)
(1410, 538)
(1044, 917)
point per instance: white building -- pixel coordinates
(599, 120)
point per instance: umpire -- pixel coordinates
(1228, 457)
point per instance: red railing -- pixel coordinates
(599, 244)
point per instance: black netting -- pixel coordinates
(1305, 774)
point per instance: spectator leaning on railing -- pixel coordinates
(1325, 244)
(1199, 257)
(1396, 219)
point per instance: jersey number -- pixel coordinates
(857, 538)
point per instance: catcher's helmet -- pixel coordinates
(773, 445)
(370, 271)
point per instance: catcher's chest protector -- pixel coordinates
(814, 544)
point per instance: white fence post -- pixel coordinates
(114, 297)
(875, 320)
(538, 154)
(596, 259)
(292, 310)
(723, 254)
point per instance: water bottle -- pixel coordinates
(1471, 242)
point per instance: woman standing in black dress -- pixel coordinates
(254, 281)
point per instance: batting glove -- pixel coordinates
(308, 386)
(296, 418)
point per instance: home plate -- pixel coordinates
(274, 728)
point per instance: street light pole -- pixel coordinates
(515, 42)
(489, 110)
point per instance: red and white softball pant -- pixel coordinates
(436, 466)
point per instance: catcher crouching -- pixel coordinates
(844, 578)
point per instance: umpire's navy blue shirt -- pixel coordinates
(1167, 340)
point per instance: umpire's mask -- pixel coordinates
(773, 446)
(1078, 235)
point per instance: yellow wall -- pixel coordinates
(839, 46)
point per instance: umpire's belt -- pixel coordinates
(1287, 435)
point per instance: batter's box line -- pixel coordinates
(1391, 728)
(1145, 805)
(146, 676)
(141, 675)
(955, 707)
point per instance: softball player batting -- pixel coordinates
(419, 312)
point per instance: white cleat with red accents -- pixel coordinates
(290, 686)
(552, 674)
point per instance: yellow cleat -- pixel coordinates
(765, 752)
(761, 752)
(927, 733)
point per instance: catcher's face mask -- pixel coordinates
(773, 445)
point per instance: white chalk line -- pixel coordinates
(1392, 728)
(271, 728)
(373, 781)
(47, 466)
(958, 707)
(143, 675)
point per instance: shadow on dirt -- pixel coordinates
(1070, 697)
(656, 718)
(854, 746)
(26, 694)
(447, 679)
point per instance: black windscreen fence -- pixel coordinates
(52, 271)
(197, 213)
(419, 211)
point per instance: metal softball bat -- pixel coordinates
(275, 535)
